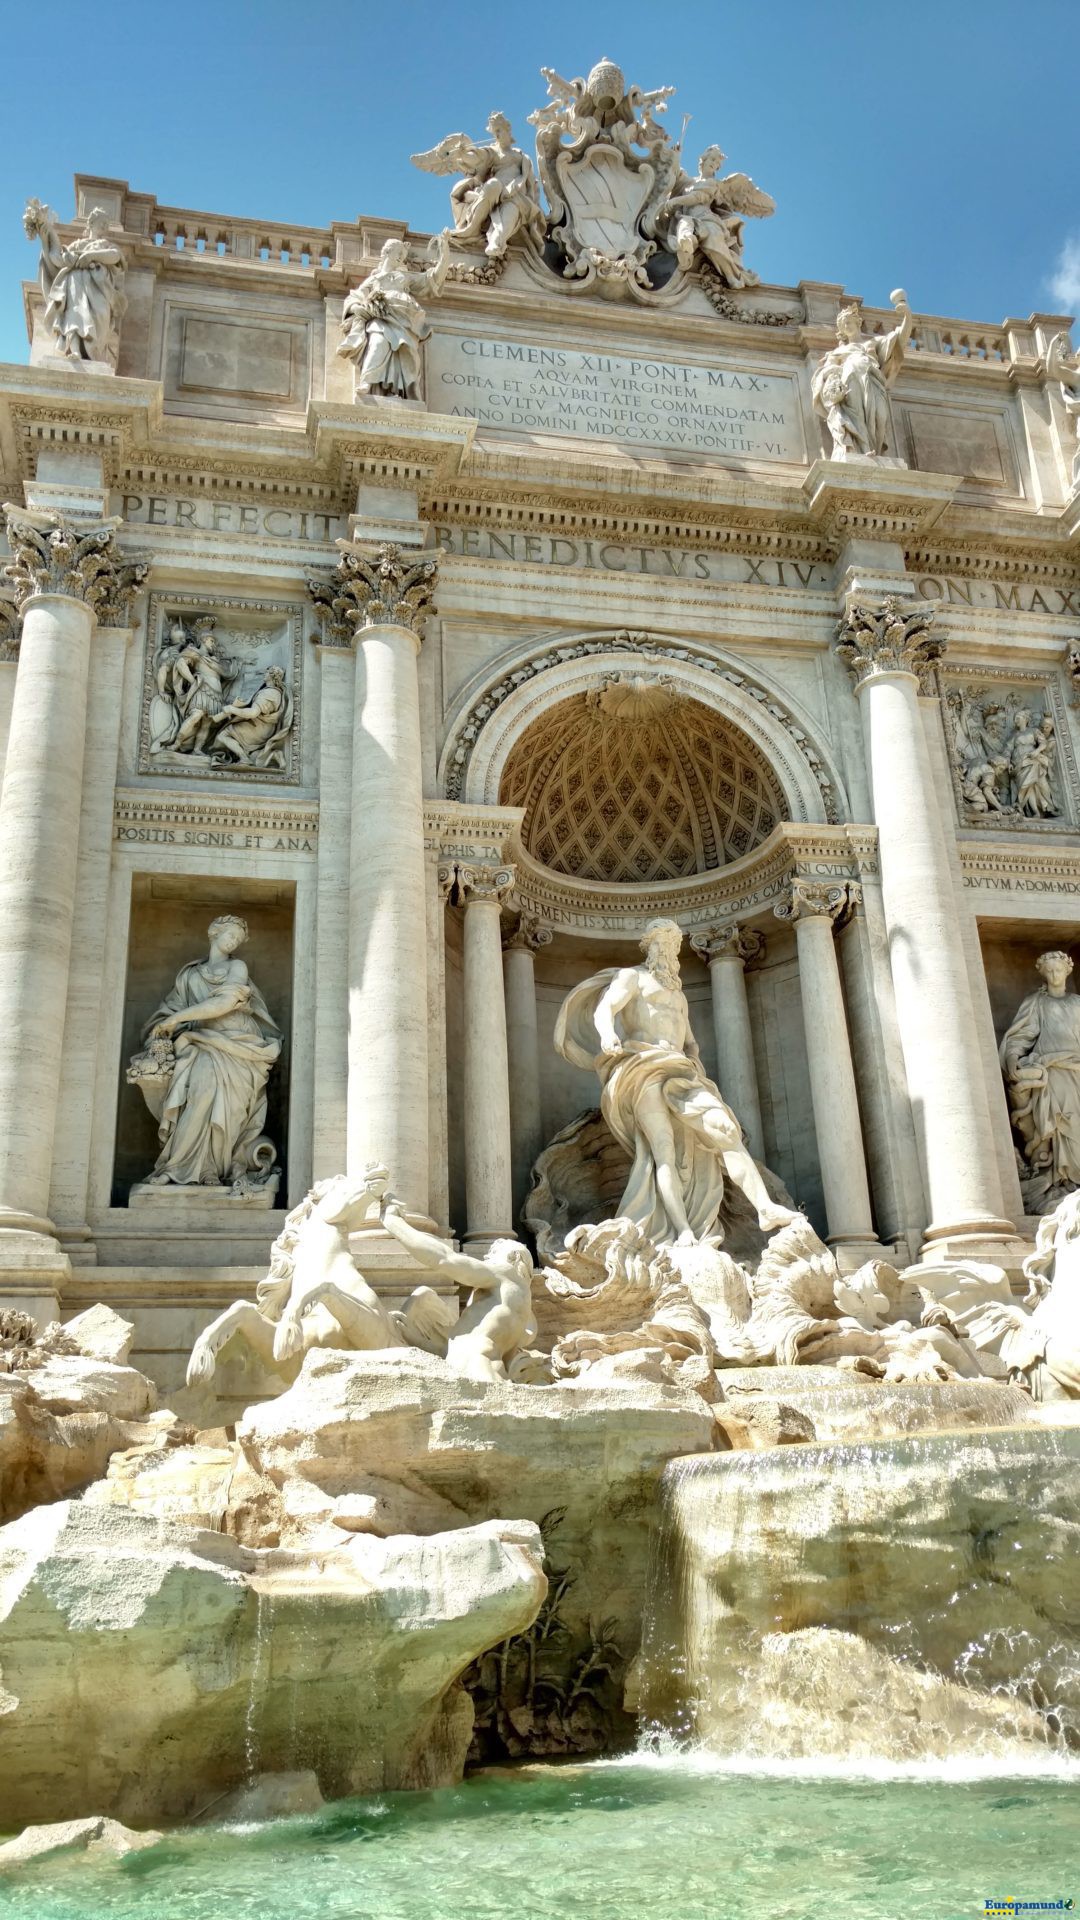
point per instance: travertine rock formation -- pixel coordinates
(178, 1664)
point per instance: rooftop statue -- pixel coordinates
(631, 1025)
(384, 324)
(1063, 366)
(850, 385)
(498, 196)
(82, 283)
(705, 215)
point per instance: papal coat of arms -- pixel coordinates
(622, 215)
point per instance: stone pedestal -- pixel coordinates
(727, 950)
(815, 908)
(523, 1052)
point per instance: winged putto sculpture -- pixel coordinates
(498, 196)
(622, 215)
(705, 216)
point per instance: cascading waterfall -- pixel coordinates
(911, 1599)
(258, 1679)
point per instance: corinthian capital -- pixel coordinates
(730, 942)
(529, 934)
(819, 899)
(50, 554)
(392, 587)
(9, 629)
(889, 636)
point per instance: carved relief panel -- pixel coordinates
(221, 689)
(1012, 758)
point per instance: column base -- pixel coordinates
(33, 1267)
(388, 1266)
(993, 1240)
(479, 1244)
(851, 1253)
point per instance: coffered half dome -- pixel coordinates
(633, 781)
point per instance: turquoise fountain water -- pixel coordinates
(861, 1689)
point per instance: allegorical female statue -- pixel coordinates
(208, 1051)
(850, 385)
(83, 285)
(1040, 1058)
(384, 324)
(631, 1025)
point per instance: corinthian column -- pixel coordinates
(523, 1051)
(376, 602)
(886, 645)
(727, 949)
(68, 577)
(815, 908)
(488, 1190)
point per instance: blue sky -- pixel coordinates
(934, 145)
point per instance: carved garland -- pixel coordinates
(624, 641)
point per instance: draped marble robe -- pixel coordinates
(702, 1123)
(1046, 1035)
(211, 1118)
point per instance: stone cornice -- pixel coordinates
(833, 856)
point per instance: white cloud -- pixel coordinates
(1065, 279)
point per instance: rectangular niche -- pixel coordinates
(170, 914)
(253, 642)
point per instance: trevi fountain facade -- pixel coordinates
(540, 1086)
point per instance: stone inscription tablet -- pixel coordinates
(722, 409)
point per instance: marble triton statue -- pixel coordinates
(631, 1025)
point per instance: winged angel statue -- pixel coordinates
(498, 196)
(616, 190)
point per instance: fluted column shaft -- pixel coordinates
(377, 601)
(488, 1183)
(814, 908)
(65, 576)
(886, 647)
(387, 1117)
(727, 949)
(523, 1053)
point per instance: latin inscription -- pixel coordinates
(693, 564)
(216, 837)
(230, 516)
(507, 384)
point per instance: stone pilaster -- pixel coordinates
(727, 950)
(523, 1050)
(488, 1156)
(68, 577)
(376, 603)
(887, 645)
(815, 908)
